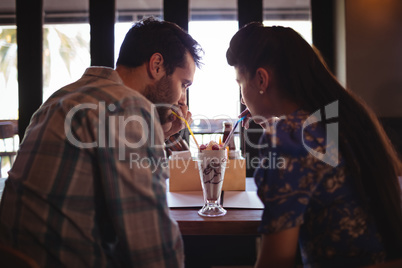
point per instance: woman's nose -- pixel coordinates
(242, 101)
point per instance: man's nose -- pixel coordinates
(183, 98)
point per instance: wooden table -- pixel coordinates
(220, 241)
(235, 222)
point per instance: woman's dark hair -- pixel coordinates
(150, 36)
(302, 76)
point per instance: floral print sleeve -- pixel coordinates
(286, 187)
(299, 189)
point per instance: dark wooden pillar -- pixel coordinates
(102, 16)
(176, 11)
(323, 24)
(249, 11)
(30, 19)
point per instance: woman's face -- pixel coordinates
(250, 92)
(262, 97)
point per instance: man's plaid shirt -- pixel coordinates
(87, 188)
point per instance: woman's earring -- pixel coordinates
(261, 92)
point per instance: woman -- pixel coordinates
(336, 191)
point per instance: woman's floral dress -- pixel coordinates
(299, 189)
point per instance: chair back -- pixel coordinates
(8, 131)
(10, 257)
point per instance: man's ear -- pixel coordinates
(155, 66)
(262, 79)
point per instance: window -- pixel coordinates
(8, 90)
(65, 53)
(292, 13)
(120, 30)
(65, 57)
(214, 96)
(8, 73)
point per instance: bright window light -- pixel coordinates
(214, 93)
(8, 73)
(66, 55)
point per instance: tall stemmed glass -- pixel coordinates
(212, 165)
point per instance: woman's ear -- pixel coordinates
(262, 79)
(155, 67)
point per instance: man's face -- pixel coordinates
(171, 90)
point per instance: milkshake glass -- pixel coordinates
(211, 165)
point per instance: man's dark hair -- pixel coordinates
(150, 36)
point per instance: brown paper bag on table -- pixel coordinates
(184, 175)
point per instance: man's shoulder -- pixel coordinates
(112, 89)
(99, 86)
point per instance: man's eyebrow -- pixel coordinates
(187, 82)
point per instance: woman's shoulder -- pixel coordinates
(295, 133)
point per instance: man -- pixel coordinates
(88, 185)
